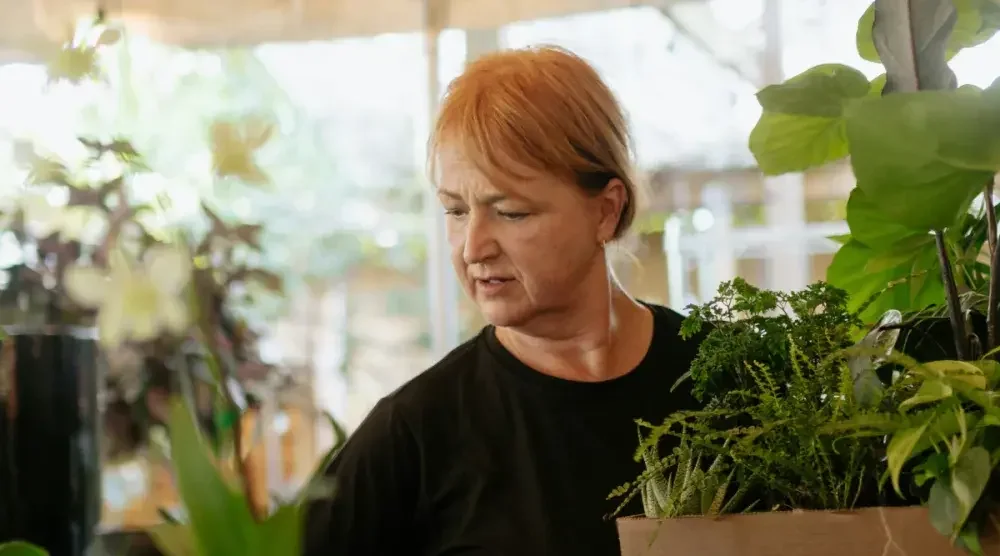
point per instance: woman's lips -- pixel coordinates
(492, 286)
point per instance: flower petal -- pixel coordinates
(143, 326)
(85, 285)
(120, 267)
(174, 315)
(169, 268)
(111, 322)
(83, 223)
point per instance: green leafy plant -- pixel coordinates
(689, 490)
(921, 148)
(946, 434)
(219, 519)
(774, 370)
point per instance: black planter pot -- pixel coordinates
(49, 438)
(932, 338)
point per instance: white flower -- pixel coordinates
(74, 223)
(135, 301)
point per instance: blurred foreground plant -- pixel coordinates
(18, 548)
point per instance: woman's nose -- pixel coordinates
(480, 243)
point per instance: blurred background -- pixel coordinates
(350, 221)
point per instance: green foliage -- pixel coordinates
(920, 148)
(18, 548)
(775, 372)
(975, 22)
(752, 327)
(691, 489)
(219, 520)
(802, 125)
(946, 434)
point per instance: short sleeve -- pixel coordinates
(372, 508)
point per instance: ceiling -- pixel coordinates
(214, 22)
(28, 27)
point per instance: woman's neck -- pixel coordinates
(597, 341)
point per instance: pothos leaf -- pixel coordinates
(943, 509)
(900, 448)
(968, 479)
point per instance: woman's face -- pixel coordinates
(525, 249)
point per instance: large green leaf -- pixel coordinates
(870, 226)
(864, 273)
(19, 548)
(912, 153)
(818, 91)
(802, 124)
(218, 515)
(281, 533)
(977, 21)
(911, 37)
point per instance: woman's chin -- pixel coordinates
(504, 313)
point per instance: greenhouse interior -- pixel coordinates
(253, 179)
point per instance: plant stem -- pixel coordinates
(991, 215)
(951, 294)
(993, 299)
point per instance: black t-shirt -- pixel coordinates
(481, 455)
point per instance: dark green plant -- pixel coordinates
(774, 370)
(750, 325)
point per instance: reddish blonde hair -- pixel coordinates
(541, 109)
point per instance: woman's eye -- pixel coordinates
(512, 215)
(454, 212)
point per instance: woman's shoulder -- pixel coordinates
(664, 314)
(668, 323)
(440, 381)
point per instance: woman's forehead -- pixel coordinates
(460, 172)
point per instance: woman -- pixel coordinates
(511, 444)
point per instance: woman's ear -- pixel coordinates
(612, 201)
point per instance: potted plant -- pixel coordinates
(871, 450)
(95, 282)
(49, 379)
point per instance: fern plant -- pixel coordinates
(774, 370)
